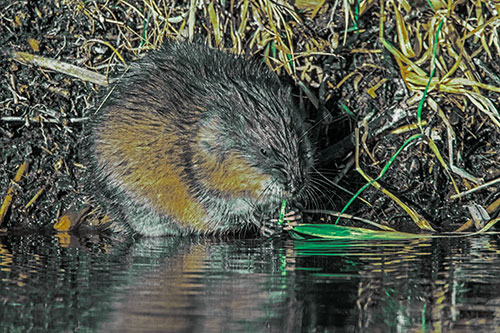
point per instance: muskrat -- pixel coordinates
(193, 140)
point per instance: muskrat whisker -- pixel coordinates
(264, 194)
(317, 185)
(329, 201)
(329, 181)
(311, 193)
(324, 172)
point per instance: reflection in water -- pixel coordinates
(207, 285)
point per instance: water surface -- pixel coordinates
(213, 285)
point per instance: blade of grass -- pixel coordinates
(214, 20)
(10, 191)
(433, 70)
(403, 38)
(336, 232)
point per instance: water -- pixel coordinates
(206, 285)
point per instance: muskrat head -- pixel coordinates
(255, 144)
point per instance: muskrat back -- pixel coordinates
(192, 140)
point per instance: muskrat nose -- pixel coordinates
(293, 184)
(291, 188)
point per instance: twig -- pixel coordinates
(62, 67)
(480, 187)
(36, 119)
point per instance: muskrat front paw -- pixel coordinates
(268, 230)
(271, 227)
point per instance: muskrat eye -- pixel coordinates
(263, 152)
